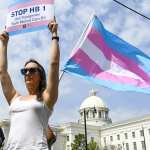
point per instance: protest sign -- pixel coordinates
(29, 15)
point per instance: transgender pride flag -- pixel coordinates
(105, 59)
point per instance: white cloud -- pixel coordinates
(121, 114)
(62, 7)
(70, 115)
(65, 86)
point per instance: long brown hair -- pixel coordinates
(42, 84)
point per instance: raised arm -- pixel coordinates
(51, 93)
(7, 87)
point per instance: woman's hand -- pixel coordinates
(4, 37)
(53, 27)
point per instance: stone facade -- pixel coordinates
(133, 134)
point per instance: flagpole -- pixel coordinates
(79, 41)
(54, 9)
(61, 75)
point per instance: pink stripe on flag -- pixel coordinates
(122, 79)
(28, 26)
(23, 5)
(95, 37)
(81, 58)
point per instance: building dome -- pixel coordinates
(93, 101)
(94, 111)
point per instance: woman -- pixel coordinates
(29, 114)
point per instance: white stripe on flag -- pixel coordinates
(95, 54)
(119, 71)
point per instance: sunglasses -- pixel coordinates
(30, 71)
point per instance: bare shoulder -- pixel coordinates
(15, 97)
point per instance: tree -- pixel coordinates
(93, 145)
(79, 142)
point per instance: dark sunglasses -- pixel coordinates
(30, 71)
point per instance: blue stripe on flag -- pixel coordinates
(123, 47)
(28, 30)
(75, 69)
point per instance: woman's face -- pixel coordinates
(32, 74)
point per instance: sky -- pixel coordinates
(72, 17)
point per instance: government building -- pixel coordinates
(132, 134)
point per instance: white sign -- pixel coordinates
(29, 16)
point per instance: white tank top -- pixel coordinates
(28, 123)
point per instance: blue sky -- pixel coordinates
(72, 17)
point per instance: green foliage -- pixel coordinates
(93, 145)
(1, 148)
(79, 142)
